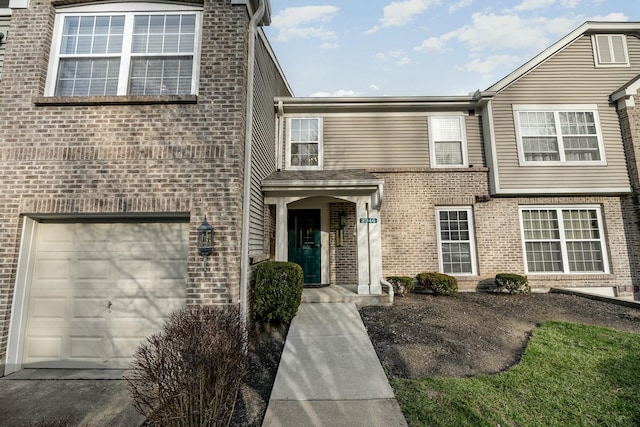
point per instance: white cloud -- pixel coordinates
(571, 4)
(399, 13)
(485, 66)
(533, 5)
(498, 32)
(374, 88)
(403, 62)
(301, 22)
(381, 56)
(461, 4)
(338, 93)
(431, 44)
(329, 45)
(615, 17)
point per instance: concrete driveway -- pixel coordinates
(91, 398)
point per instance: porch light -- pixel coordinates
(205, 241)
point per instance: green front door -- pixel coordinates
(305, 247)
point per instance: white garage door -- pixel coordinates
(97, 290)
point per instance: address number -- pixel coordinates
(368, 220)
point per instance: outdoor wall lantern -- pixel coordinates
(342, 222)
(205, 241)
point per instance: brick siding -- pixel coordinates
(177, 155)
(409, 240)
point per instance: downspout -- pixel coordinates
(246, 201)
(279, 134)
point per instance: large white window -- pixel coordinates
(610, 50)
(447, 141)
(558, 134)
(563, 239)
(129, 49)
(456, 242)
(304, 147)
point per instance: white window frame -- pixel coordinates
(563, 239)
(556, 109)
(129, 10)
(471, 241)
(320, 164)
(597, 57)
(432, 142)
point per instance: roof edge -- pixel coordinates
(585, 28)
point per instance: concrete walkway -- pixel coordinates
(329, 373)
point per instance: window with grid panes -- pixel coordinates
(559, 136)
(448, 142)
(305, 142)
(133, 52)
(563, 240)
(456, 241)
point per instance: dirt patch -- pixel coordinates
(265, 348)
(475, 333)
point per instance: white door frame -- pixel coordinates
(21, 292)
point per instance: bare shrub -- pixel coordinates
(189, 374)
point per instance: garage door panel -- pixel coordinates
(79, 269)
(48, 308)
(87, 348)
(46, 347)
(93, 268)
(90, 309)
(48, 270)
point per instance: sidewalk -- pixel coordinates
(330, 375)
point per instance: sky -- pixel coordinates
(420, 47)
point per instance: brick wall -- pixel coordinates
(178, 154)
(409, 240)
(344, 258)
(630, 124)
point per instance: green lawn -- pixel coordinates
(569, 375)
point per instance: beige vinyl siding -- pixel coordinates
(474, 141)
(375, 142)
(386, 141)
(268, 84)
(4, 28)
(569, 77)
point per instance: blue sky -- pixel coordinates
(420, 47)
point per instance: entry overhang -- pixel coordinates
(339, 182)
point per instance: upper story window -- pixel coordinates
(447, 141)
(145, 50)
(566, 239)
(304, 146)
(610, 50)
(556, 134)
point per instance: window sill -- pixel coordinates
(115, 100)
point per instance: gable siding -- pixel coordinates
(268, 84)
(569, 77)
(4, 28)
(386, 141)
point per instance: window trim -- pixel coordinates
(563, 239)
(556, 109)
(320, 164)
(463, 147)
(596, 51)
(127, 9)
(472, 239)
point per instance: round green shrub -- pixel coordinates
(438, 283)
(277, 291)
(513, 283)
(401, 284)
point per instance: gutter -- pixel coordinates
(256, 18)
